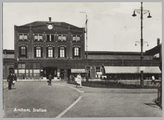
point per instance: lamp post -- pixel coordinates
(142, 12)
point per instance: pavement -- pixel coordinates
(62, 100)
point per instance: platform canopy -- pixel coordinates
(78, 71)
(131, 69)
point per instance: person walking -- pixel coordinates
(78, 80)
(14, 79)
(153, 79)
(49, 79)
(10, 80)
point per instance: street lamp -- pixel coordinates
(141, 11)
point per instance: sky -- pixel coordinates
(111, 26)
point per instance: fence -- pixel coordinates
(120, 83)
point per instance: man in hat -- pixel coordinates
(10, 79)
(49, 79)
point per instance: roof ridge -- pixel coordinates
(36, 23)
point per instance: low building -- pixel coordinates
(8, 62)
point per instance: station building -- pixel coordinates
(48, 47)
(44, 47)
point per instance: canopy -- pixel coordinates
(131, 69)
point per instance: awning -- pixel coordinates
(78, 71)
(131, 69)
(118, 69)
(152, 70)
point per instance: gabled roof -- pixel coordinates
(40, 23)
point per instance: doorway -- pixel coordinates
(50, 70)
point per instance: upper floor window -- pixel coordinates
(50, 52)
(62, 52)
(98, 69)
(50, 37)
(62, 37)
(22, 36)
(76, 52)
(76, 38)
(38, 37)
(23, 51)
(38, 51)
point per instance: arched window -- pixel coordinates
(23, 51)
(38, 51)
(62, 52)
(76, 52)
(50, 51)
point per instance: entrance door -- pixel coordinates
(50, 70)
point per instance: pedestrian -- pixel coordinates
(14, 80)
(49, 79)
(153, 80)
(78, 80)
(10, 80)
(62, 76)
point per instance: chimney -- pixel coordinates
(49, 19)
(158, 41)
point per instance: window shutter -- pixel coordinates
(48, 39)
(52, 37)
(47, 52)
(79, 52)
(19, 51)
(73, 53)
(35, 52)
(65, 52)
(53, 52)
(26, 51)
(58, 52)
(41, 51)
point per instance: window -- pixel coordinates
(22, 36)
(50, 38)
(76, 52)
(62, 37)
(21, 65)
(76, 38)
(38, 37)
(97, 69)
(36, 65)
(50, 51)
(23, 50)
(62, 53)
(38, 51)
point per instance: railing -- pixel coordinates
(120, 83)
